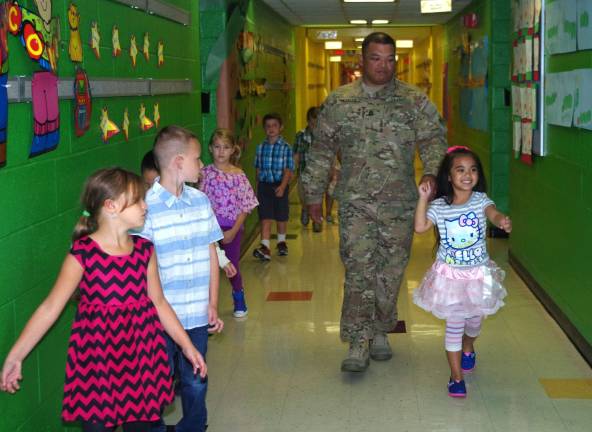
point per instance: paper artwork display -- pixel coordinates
(146, 47)
(584, 21)
(38, 32)
(160, 53)
(75, 45)
(133, 51)
(108, 128)
(125, 124)
(95, 39)
(115, 41)
(3, 81)
(583, 104)
(561, 27)
(560, 98)
(145, 122)
(82, 102)
(156, 115)
(46, 114)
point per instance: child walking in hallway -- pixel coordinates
(232, 199)
(117, 343)
(463, 285)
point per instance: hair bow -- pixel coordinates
(455, 148)
(469, 219)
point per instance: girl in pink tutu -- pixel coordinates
(463, 285)
(117, 368)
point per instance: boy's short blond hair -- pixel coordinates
(169, 142)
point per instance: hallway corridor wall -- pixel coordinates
(40, 196)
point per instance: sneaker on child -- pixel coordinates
(457, 389)
(282, 248)
(467, 361)
(262, 252)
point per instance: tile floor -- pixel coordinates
(279, 369)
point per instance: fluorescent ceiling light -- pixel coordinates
(396, 57)
(359, 47)
(380, 21)
(436, 6)
(404, 43)
(333, 45)
(359, 39)
(358, 22)
(335, 59)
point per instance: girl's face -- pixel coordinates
(221, 151)
(464, 173)
(131, 215)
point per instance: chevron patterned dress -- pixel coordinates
(117, 368)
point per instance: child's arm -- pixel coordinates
(286, 176)
(224, 262)
(170, 322)
(231, 233)
(216, 324)
(40, 322)
(497, 218)
(422, 223)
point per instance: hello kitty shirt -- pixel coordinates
(462, 230)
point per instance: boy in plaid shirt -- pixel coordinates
(274, 165)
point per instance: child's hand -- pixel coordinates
(230, 270)
(425, 190)
(11, 375)
(196, 360)
(505, 223)
(216, 325)
(228, 236)
(279, 191)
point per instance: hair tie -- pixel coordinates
(455, 148)
(85, 213)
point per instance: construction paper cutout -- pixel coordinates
(133, 51)
(160, 53)
(82, 102)
(145, 122)
(107, 126)
(75, 46)
(125, 126)
(115, 41)
(39, 34)
(46, 113)
(156, 115)
(146, 47)
(95, 39)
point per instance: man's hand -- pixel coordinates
(315, 211)
(426, 181)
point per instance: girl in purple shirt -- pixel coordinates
(232, 198)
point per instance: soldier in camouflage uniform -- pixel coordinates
(376, 124)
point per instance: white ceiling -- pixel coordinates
(335, 12)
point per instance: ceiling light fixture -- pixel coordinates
(380, 21)
(335, 59)
(358, 21)
(359, 39)
(333, 45)
(436, 6)
(403, 43)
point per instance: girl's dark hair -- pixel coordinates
(443, 185)
(104, 184)
(148, 162)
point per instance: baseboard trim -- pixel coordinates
(581, 344)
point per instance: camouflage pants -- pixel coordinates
(375, 241)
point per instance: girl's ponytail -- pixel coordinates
(86, 225)
(236, 154)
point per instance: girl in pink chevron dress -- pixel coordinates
(464, 284)
(117, 369)
(232, 198)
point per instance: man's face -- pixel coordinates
(378, 63)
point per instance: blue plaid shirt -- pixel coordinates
(272, 159)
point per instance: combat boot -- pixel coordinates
(380, 348)
(358, 357)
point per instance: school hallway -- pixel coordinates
(279, 369)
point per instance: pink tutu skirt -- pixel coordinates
(448, 291)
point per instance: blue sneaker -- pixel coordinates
(467, 361)
(240, 306)
(457, 389)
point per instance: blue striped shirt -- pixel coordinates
(272, 159)
(182, 229)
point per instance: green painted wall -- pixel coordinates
(39, 196)
(552, 209)
(493, 147)
(273, 31)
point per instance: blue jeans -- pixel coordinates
(193, 388)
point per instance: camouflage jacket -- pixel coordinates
(377, 135)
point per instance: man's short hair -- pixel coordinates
(272, 116)
(379, 38)
(169, 142)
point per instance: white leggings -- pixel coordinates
(456, 327)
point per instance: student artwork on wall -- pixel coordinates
(108, 128)
(115, 41)
(133, 51)
(473, 82)
(38, 33)
(3, 82)
(584, 21)
(568, 99)
(145, 122)
(160, 53)
(561, 27)
(125, 124)
(95, 39)
(583, 99)
(156, 115)
(75, 45)
(82, 102)
(46, 114)
(146, 47)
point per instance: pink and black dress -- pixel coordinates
(117, 368)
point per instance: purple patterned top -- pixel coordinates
(230, 194)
